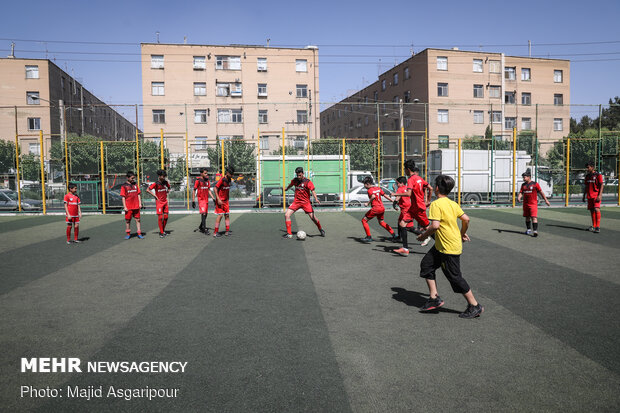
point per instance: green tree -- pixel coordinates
(584, 147)
(7, 156)
(290, 150)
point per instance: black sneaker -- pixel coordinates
(535, 234)
(597, 230)
(217, 235)
(367, 239)
(472, 311)
(201, 229)
(162, 234)
(287, 236)
(322, 232)
(395, 238)
(432, 304)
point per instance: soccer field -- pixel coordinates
(326, 324)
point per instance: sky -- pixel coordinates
(357, 40)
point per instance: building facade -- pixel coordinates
(456, 94)
(237, 92)
(32, 92)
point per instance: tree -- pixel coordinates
(7, 157)
(290, 150)
(584, 147)
(610, 117)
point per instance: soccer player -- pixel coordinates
(130, 195)
(529, 192)
(420, 193)
(447, 250)
(202, 191)
(377, 209)
(303, 188)
(404, 204)
(594, 192)
(222, 188)
(159, 190)
(73, 213)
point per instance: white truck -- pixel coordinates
(485, 177)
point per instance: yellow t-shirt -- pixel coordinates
(448, 236)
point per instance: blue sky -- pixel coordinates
(345, 31)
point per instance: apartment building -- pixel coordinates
(456, 94)
(30, 101)
(216, 93)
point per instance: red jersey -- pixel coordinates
(161, 190)
(130, 192)
(404, 202)
(377, 202)
(73, 202)
(530, 192)
(417, 185)
(202, 186)
(302, 190)
(222, 188)
(594, 181)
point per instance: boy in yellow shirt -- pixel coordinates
(446, 252)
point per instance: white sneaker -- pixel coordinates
(528, 232)
(426, 241)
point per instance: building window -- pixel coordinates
(366, 120)
(478, 116)
(34, 123)
(228, 62)
(157, 61)
(478, 65)
(494, 91)
(442, 89)
(442, 63)
(201, 143)
(395, 79)
(383, 85)
(200, 89)
(526, 74)
(262, 116)
(264, 143)
(510, 73)
(261, 64)
(34, 149)
(444, 141)
(236, 90)
(302, 91)
(478, 91)
(557, 76)
(200, 116)
(557, 124)
(558, 99)
(222, 89)
(32, 72)
(32, 98)
(159, 116)
(375, 96)
(262, 89)
(526, 123)
(157, 88)
(229, 115)
(200, 63)
(509, 98)
(407, 97)
(442, 116)
(510, 122)
(494, 66)
(300, 142)
(407, 75)
(496, 116)
(526, 98)
(302, 116)
(301, 65)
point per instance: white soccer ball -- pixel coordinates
(301, 235)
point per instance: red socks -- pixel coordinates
(596, 218)
(366, 227)
(68, 233)
(76, 231)
(161, 221)
(227, 227)
(318, 224)
(288, 227)
(387, 227)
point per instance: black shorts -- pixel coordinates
(450, 265)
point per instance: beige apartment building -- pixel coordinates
(31, 92)
(456, 94)
(217, 93)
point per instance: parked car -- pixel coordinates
(389, 183)
(359, 196)
(8, 201)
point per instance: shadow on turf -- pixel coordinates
(417, 299)
(568, 227)
(510, 231)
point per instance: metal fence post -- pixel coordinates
(283, 170)
(344, 175)
(102, 177)
(458, 167)
(514, 166)
(42, 165)
(567, 190)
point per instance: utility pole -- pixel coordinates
(82, 106)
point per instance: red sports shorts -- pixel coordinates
(306, 206)
(132, 213)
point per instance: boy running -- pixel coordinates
(420, 193)
(130, 195)
(447, 250)
(202, 191)
(222, 188)
(303, 188)
(529, 192)
(73, 213)
(594, 192)
(403, 203)
(377, 209)
(159, 190)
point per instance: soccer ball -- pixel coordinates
(301, 235)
